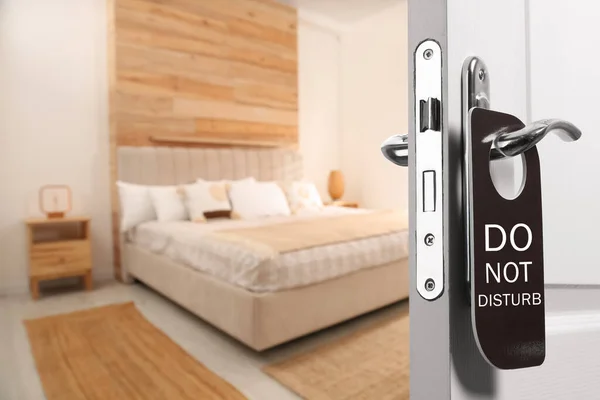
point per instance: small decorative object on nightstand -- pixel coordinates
(342, 203)
(335, 185)
(55, 200)
(59, 248)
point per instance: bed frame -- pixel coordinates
(259, 320)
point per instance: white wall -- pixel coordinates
(374, 106)
(565, 83)
(319, 98)
(53, 122)
(352, 96)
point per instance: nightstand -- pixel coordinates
(59, 248)
(343, 203)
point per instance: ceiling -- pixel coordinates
(343, 11)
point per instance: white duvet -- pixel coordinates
(182, 241)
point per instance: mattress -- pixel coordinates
(181, 241)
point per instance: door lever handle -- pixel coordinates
(395, 149)
(509, 142)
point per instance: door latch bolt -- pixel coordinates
(430, 114)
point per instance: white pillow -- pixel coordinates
(136, 205)
(168, 203)
(252, 199)
(303, 196)
(205, 196)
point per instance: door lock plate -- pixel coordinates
(429, 253)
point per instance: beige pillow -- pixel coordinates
(205, 197)
(303, 196)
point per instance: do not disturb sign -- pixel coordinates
(505, 254)
(511, 271)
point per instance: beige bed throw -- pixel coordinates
(298, 235)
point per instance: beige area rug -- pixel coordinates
(368, 364)
(112, 353)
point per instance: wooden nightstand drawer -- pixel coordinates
(75, 253)
(59, 248)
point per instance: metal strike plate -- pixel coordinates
(428, 167)
(475, 93)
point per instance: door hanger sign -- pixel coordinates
(505, 253)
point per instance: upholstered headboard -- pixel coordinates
(177, 165)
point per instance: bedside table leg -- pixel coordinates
(87, 279)
(34, 287)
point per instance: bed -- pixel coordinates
(260, 296)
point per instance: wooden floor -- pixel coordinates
(226, 357)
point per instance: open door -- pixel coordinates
(504, 301)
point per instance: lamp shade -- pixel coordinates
(336, 185)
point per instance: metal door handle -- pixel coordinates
(395, 149)
(509, 142)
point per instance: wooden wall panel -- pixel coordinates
(224, 70)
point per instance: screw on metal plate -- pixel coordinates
(481, 74)
(428, 54)
(429, 285)
(429, 239)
